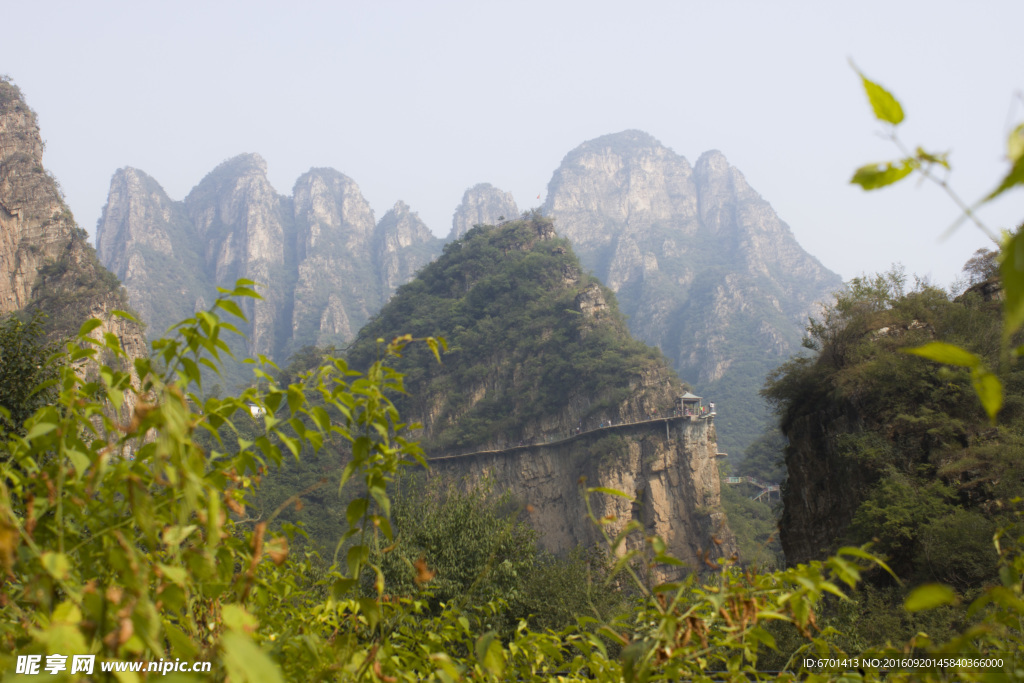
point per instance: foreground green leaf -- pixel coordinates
(1011, 272)
(929, 596)
(875, 176)
(886, 107)
(949, 354)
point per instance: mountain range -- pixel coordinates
(703, 267)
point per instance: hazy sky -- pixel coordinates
(420, 100)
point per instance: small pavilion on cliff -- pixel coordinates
(689, 404)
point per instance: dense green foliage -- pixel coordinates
(755, 524)
(468, 548)
(154, 557)
(28, 370)
(934, 477)
(765, 458)
(507, 301)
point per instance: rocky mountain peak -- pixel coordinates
(623, 143)
(402, 245)
(331, 212)
(402, 226)
(19, 129)
(142, 231)
(242, 176)
(611, 192)
(711, 162)
(242, 165)
(701, 264)
(482, 204)
(132, 195)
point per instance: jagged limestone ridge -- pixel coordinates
(703, 267)
(324, 264)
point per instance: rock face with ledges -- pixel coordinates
(672, 473)
(702, 266)
(335, 290)
(164, 243)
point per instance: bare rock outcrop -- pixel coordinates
(402, 245)
(482, 204)
(334, 291)
(144, 234)
(36, 227)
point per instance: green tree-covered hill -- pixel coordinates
(888, 446)
(536, 347)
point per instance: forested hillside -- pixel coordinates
(888, 448)
(887, 445)
(536, 347)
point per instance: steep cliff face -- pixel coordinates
(45, 261)
(245, 227)
(825, 485)
(482, 204)
(36, 226)
(324, 264)
(335, 292)
(145, 236)
(539, 354)
(669, 466)
(702, 265)
(402, 245)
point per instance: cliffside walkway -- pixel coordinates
(767, 488)
(666, 420)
